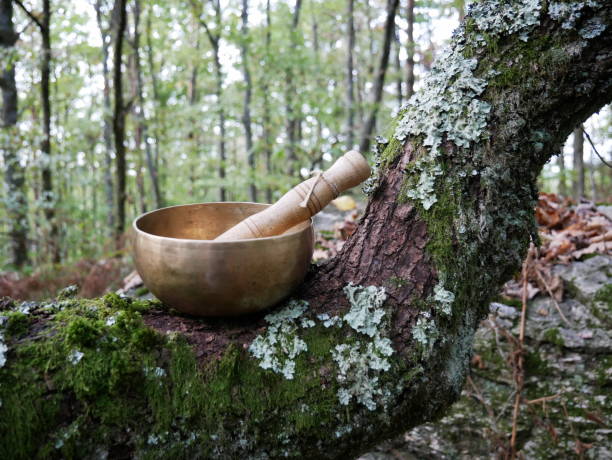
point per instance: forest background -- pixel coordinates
(115, 108)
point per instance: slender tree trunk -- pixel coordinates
(14, 175)
(267, 122)
(290, 104)
(248, 90)
(119, 119)
(350, 91)
(143, 127)
(410, 48)
(214, 37)
(578, 173)
(398, 66)
(562, 179)
(221, 114)
(49, 199)
(368, 128)
(592, 177)
(384, 341)
(108, 120)
(138, 131)
(155, 104)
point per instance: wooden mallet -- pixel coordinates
(303, 201)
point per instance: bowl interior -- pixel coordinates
(203, 221)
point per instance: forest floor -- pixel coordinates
(558, 361)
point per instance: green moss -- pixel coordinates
(17, 323)
(535, 365)
(142, 290)
(554, 336)
(604, 294)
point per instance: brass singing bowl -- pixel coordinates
(179, 263)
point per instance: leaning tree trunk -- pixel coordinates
(381, 337)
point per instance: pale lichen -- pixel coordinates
(75, 357)
(365, 314)
(568, 13)
(500, 16)
(278, 347)
(444, 299)
(448, 107)
(359, 365)
(593, 28)
(425, 333)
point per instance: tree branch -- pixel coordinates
(30, 15)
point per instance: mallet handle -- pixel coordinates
(302, 201)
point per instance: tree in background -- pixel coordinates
(578, 176)
(16, 201)
(370, 123)
(119, 26)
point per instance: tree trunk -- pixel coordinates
(398, 67)
(49, 199)
(350, 92)
(578, 173)
(290, 105)
(267, 122)
(562, 181)
(410, 47)
(119, 118)
(248, 90)
(142, 126)
(370, 124)
(14, 175)
(384, 341)
(108, 121)
(214, 37)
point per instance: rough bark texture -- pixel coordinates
(16, 201)
(356, 364)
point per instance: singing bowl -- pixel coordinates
(181, 265)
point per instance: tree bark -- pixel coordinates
(120, 15)
(14, 176)
(449, 220)
(370, 124)
(107, 117)
(248, 90)
(578, 173)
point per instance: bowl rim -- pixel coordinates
(286, 235)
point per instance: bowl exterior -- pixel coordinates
(208, 278)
